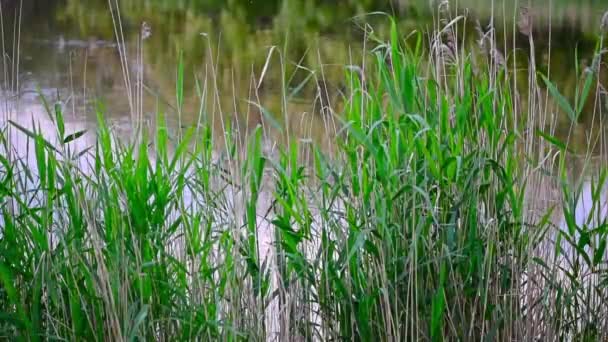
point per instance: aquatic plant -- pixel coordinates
(414, 226)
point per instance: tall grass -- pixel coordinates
(415, 227)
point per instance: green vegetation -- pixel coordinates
(414, 225)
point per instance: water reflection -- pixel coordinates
(30, 114)
(69, 46)
(582, 238)
(68, 49)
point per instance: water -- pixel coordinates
(240, 52)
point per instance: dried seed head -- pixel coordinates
(482, 36)
(444, 7)
(497, 57)
(604, 24)
(447, 53)
(449, 36)
(146, 31)
(525, 21)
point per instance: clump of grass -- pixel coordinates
(414, 228)
(423, 235)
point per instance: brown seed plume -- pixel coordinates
(525, 21)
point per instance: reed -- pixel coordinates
(416, 225)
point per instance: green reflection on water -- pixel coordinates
(226, 45)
